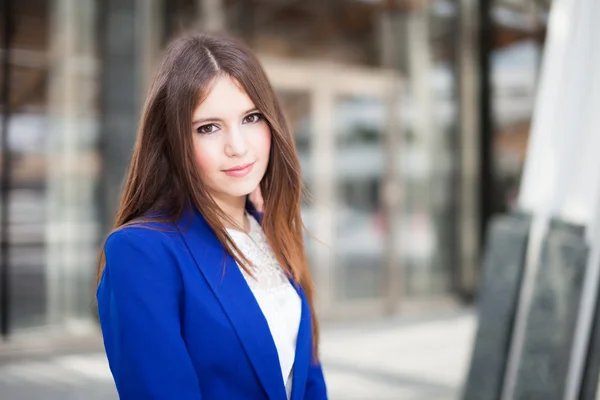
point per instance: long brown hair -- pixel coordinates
(163, 178)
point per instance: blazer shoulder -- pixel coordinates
(156, 237)
(136, 252)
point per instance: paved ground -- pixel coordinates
(424, 360)
(392, 359)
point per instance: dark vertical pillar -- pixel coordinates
(119, 99)
(486, 150)
(5, 184)
(169, 9)
(246, 20)
(497, 304)
(467, 233)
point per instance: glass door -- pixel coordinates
(339, 119)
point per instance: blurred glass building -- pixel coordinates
(411, 121)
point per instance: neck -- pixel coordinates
(235, 209)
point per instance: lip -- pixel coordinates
(239, 171)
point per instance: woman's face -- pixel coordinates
(232, 141)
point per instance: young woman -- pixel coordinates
(200, 296)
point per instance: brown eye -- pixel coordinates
(253, 118)
(206, 129)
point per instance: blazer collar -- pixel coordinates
(239, 304)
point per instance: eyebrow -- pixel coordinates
(210, 119)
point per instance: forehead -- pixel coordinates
(226, 97)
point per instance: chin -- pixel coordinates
(241, 189)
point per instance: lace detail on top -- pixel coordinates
(277, 298)
(267, 272)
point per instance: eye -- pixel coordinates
(206, 129)
(253, 118)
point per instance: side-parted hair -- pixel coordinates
(163, 179)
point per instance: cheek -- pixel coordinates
(206, 159)
(263, 142)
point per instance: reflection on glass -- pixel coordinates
(429, 217)
(359, 172)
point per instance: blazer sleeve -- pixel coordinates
(315, 383)
(138, 306)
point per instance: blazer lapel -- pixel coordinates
(238, 302)
(303, 348)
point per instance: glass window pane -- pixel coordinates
(359, 229)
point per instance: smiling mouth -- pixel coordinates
(239, 171)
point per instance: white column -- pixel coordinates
(322, 154)
(423, 123)
(469, 143)
(392, 184)
(581, 199)
(72, 164)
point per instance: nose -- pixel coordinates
(236, 144)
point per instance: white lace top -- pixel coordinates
(274, 293)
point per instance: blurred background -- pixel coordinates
(411, 120)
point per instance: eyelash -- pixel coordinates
(257, 114)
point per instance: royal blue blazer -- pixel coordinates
(179, 321)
